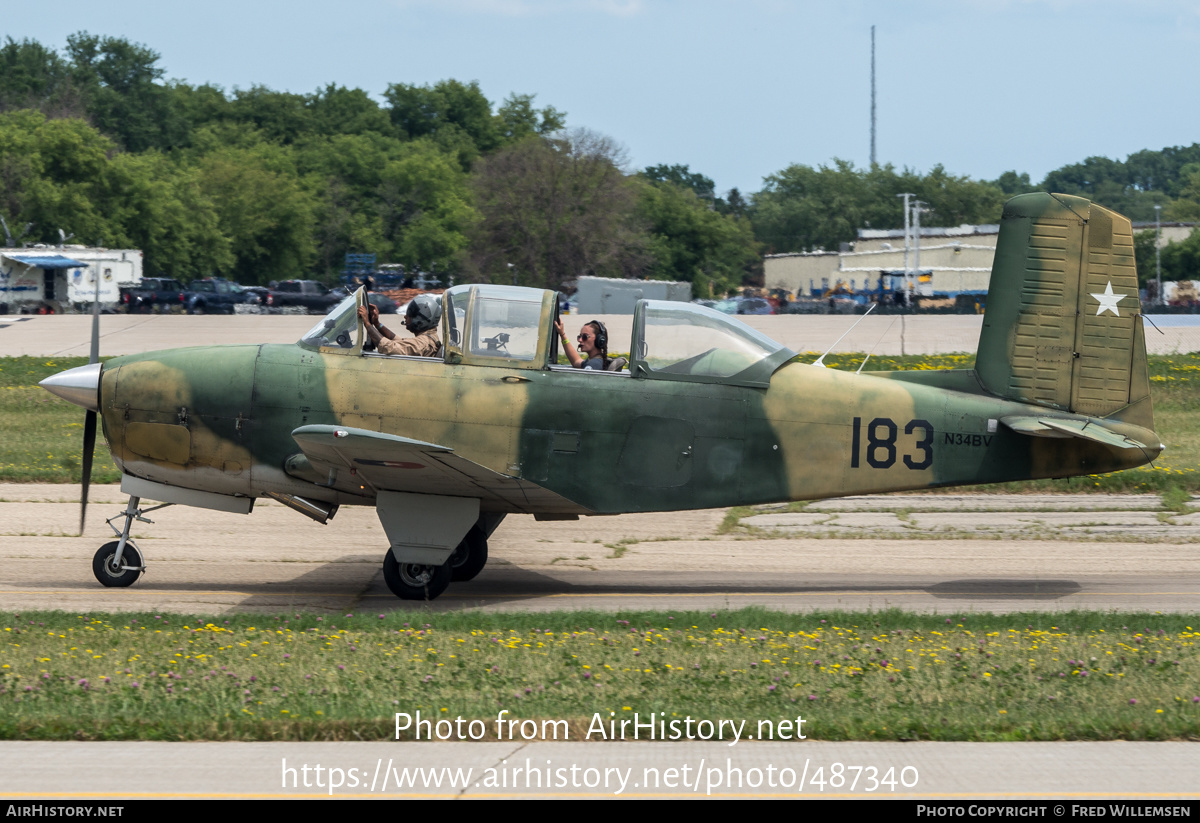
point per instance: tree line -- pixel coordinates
(261, 185)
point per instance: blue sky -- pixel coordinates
(736, 90)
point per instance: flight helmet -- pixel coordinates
(423, 313)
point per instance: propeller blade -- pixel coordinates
(89, 419)
(89, 446)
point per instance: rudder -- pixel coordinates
(1063, 325)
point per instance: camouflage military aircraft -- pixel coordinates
(710, 413)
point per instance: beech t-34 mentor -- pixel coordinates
(710, 413)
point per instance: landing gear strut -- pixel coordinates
(118, 563)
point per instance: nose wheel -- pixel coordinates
(118, 563)
(114, 574)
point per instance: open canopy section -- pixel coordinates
(686, 341)
(339, 331)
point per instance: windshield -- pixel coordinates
(338, 329)
(687, 339)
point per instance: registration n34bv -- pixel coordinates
(710, 413)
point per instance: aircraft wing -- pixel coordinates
(1060, 427)
(358, 460)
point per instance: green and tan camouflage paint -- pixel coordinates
(220, 419)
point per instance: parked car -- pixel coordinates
(307, 293)
(216, 295)
(255, 294)
(754, 305)
(153, 294)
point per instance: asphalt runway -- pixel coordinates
(949, 553)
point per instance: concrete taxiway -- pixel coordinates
(1047, 774)
(944, 553)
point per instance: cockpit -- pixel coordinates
(513, 327)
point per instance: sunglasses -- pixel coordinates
(583, 336)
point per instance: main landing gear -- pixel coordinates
(414, 581)
(118, 563)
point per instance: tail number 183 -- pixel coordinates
(880, 446)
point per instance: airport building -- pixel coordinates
(952, 261)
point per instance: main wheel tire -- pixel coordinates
(117, 578)
(469, 557)
(414, 581)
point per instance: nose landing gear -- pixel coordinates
(118, 563)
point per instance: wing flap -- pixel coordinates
(359, 460)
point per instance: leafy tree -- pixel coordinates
(1012, 183)
(519, 119)
(952, 200)
(802, 207)
(200, 106)
(1109, 183)
(1143, 255)
(555, 209)
(447, 106)
(339, 110)
(1181, 261)
(55, 174)
(162, 210)
(119, 82)
(1161, 170)
(691, 241)
(263, 209)
(426, 208)
(682, 176)
(458, 117)
(35, 77)
(1187, 206)
(408, 202)
(733, 204)
(65, 174)
(280, 116)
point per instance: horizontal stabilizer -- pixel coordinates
(1085, 429)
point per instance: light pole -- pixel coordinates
(906, 195)
(917, 210)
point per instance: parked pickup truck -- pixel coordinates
(215, 295)
(153, 294)
(307, 293)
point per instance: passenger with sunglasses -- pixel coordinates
(593, 346)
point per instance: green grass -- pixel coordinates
(852, 676)
(43, 435)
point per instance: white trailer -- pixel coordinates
(53, 280)
(609, 295)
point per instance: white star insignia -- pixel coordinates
(1108, 300)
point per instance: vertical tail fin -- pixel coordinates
(1063, 326)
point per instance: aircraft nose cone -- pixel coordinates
(80, 386)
